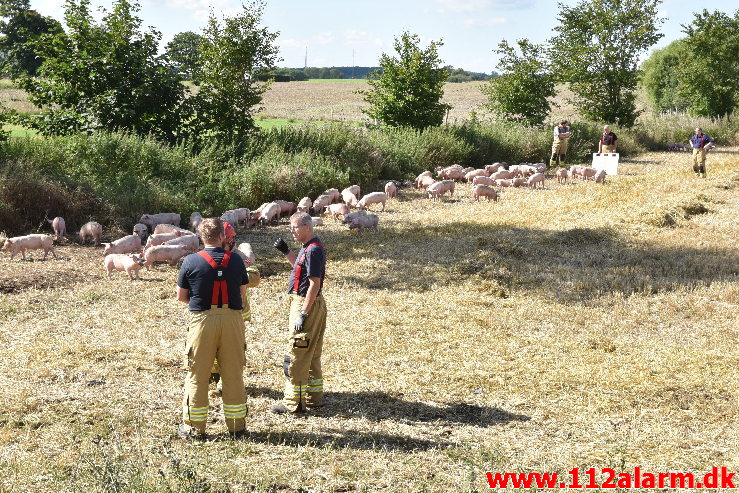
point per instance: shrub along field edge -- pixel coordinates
(114, 178)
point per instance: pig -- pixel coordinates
(390, 190)
(337, 210)
(438, 189)
(127, 244)
(334, 194)
(29, 242)
(246, 252)
(168, 228)
(232, 218)
(600, 176)
(353, 189)
(141, 230)
(515, 171)
(305, 204)
(453, 172)
(321, 202)
(316, 221)
(286, 208)
(152, 220)
(585, 172)
(492, 168)
(483, 180)
(502, 174)
(527, 170)
(467, 169)
(504, 182)
(540, 167)
(91, 230)
(59, 227)
(131, 264)
(192, 242)
(562, 175)
(426, 182)
(484, 191)
(160, 238)
(350, 217)
(373, 198)
(576, 171)
(421, 176)
(369, 221)
(195, 219)
(164, 253)
(242, 215)
(270, 213)
(349, 198)
(472, 174)
(518, 182)
(535, 179)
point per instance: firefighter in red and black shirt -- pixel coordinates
(607, 141)
(212, 282)
(307, 322)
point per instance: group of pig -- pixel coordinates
(497, 174)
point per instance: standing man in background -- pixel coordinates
(307, 321)
(213, 282)
(700, 143)
(559, 146)
(607, 141)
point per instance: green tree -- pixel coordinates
(184, 54)
(17, 34)
(234, 55)
(661, 77)
(407, 90)
(521, 92)
(709, 77)
(597, 50)
(104, 77)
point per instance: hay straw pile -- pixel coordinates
(556, 328)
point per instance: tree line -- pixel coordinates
(108, 75)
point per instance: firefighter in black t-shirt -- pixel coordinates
(607, 141)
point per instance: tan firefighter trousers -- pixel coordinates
(218, 332)
(304, 384)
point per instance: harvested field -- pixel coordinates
(557, 328)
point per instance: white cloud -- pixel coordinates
(324, 38)
(291, 43)
(354, 35)
(461, 5)
(490, 21)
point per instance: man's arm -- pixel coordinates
(183, 295)
(314, 285)
(291, 257)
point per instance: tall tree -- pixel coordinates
(710, 73)
(104, 77)
(233, 55)
(184, 53)
(407, 90)
(597, 51)
(520, 93)
(661, 77)
(17, 34)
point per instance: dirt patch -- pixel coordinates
(33, 279)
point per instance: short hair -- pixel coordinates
(699, 129)
(302, 219)
(606, 126)
(564, 122)
(209, 229)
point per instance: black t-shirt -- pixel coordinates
(608, 139)
(314, 265)
(198, 276)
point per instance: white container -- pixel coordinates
(607, 161)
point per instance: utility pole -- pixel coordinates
(305, 65)
(353, 65)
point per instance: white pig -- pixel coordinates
(391, 190)
(91, 230)
(535, 179)
(420, 177)
(120, 262)
(305, 204)
(127, 244)
(562, 175)
(426, 182)
(191, 242)
(270, 213)
(316, 221)
(169, 228)
(337, 210)
(142, 230)
(600, 176)
(472, 174)
(334, 194)
(484, 191)
(321, 202)
(370, 221)
(349, 198)
(483, 180)
(164, 253)
(59, 227)
(373, 198)
(29, 242)
(160, 238)
(438, 189)
(502, 174)
(350, 217)
(152, 220)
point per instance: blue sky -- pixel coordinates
(334, 30)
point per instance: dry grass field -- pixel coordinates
(579, 325)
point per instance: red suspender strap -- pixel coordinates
(220, 289)
(299, 265)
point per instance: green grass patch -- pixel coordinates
(20, 131)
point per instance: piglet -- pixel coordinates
(600, 176)
(535, 179)
(484, 191)
(141, 230)
(91, 230)
(370, 221)
(391, 190)
(127, 244)
(59, 227)
(483, 180)
(164, 253)
(131, 264)
(337, 210)
(305, 204)
(170, 228)
(562, 175)
(191, 242)
(29, 242)
(373, 198)
(160, 238)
